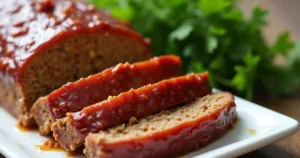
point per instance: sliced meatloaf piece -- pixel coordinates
(71, 131)
(46, 43)
(170, 133)
(74, 96)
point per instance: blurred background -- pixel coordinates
(284, 15)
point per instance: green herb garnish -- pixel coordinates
(214, 35)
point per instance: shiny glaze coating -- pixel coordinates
(74, 96)
(27, 27)
(173, 142)
(139, 102)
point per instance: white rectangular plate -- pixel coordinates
(256, 127)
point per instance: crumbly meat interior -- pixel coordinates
(76, 57)
(166, 119)
(10, 96)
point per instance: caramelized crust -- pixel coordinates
(71, 131)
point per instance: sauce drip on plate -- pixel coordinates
(52, 145)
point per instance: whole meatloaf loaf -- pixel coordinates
(46, 43)
(71, 131)
(170, 133)
(74, 96)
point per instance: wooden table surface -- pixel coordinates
(283, 15)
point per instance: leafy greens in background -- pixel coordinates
(213, 35)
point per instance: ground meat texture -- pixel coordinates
(170, 133)
(71, 131)
(74, 96)
(46, 43)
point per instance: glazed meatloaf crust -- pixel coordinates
(170, 133)
(46, 43)
(74, 96)
(71, 131)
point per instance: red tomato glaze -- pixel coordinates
(140, 102)
(173, 142)
(74, 96)
(27, 27)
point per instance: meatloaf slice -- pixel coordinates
(74, 96)
(46, 43)
(71, 131)
(170, 133)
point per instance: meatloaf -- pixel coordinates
(46, 43)
(170, 133)
(71, 131)
(74, 96)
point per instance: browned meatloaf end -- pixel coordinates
(46, 43)
(75, 96)
(71, 131)
(170, 133)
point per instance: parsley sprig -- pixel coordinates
(214, 35)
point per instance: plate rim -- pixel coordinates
(10, 148)
(258, 141)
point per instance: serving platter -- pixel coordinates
(256, 127)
